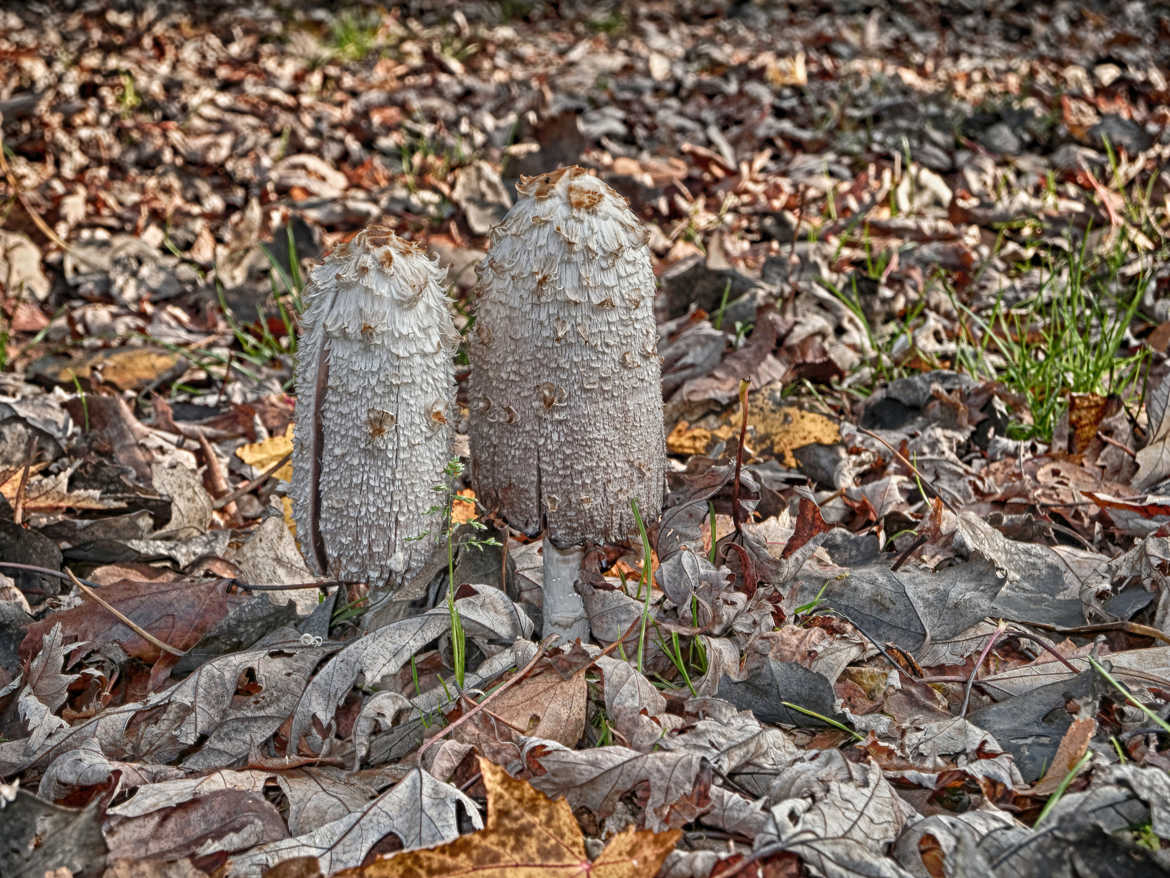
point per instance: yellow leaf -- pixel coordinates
(781, 429)
(125, 368)
(286, 505)
(264, 454)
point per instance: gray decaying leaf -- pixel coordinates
(20, 266)
(634, 707)
(566, 408)
(420, 810)
(775, 682)
(220, 821)
(913, 607)
(486, 615)
(1154, 459)
(837, 816)
(969, 842)
(87, 766)
(679, 783)
(1031, 726)
(481, 194)
(41, 838)
(269, 555)
(45, 690)
(199, 709)
(1084, 834)
(736, 743)
(375, 385)
(316, 795)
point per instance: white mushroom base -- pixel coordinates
(564, 610)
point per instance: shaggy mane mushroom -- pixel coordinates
(566, 405)
(374, 382)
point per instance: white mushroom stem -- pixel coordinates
(564, 611)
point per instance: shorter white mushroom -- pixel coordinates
(374, 385)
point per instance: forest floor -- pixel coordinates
(916, 623)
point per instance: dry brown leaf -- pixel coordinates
(545, 706)
(792, 70)
(1072, 747)
(1085, 413)
(125, 368)
(463, 510)
(527, 835)
(178, 613)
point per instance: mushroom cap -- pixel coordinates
(565, 387)
(375, 387)
(383, 289)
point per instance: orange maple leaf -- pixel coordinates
(527, 835)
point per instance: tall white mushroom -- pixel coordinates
(375, 384)
(565, 388)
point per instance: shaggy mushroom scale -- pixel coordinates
(375, 385)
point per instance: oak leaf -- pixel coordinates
(527, 835)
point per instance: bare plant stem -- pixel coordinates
(736, 512)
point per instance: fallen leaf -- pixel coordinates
(419, 810)
(809, 523)
(674, 786)
(1072, 747)
(1085, 413)
(267, 452)
(125, 368)
(685, 439)
(527, 835)
(178, 613)
(787, 71)
(1154, 459)
(545, 705)
(781, 429)
(463, 511)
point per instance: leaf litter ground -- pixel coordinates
(916, 623)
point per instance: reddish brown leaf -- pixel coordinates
(178, 613)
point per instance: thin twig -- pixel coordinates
(216, 477)
(735, 510)
(248, 487)
(293, 586)
(1000, 627)
(905, 556)
(69, 575)
(1109, 440)
(898, 454)
(1099, 627)
(18, 505)
(124, 619)
(46, 571)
